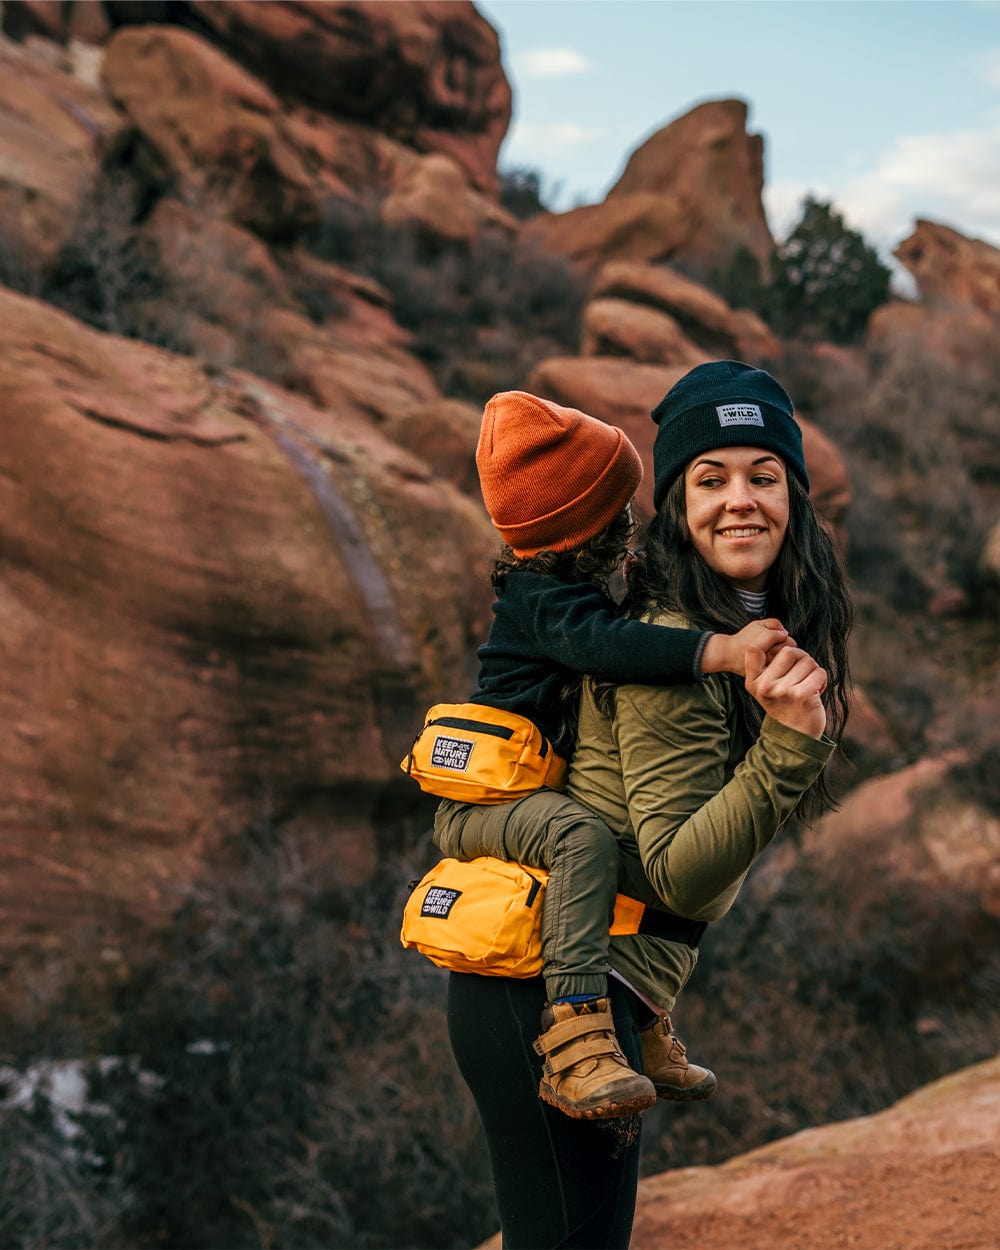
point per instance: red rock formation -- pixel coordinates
(617, 327)
(691, 194)
(218, 134)
(425, 72)
(720, 331)
(951, 270)
(916, 1175)
(641, 227)
(920, 828)
(218, 602)
(956, 323)
(58, 20)
(434, 196)
(53, 129)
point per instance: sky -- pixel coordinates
(888, 108)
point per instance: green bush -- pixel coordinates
(824, 280)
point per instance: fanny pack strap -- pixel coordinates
(632, 916)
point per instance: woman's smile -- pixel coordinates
(737, 505)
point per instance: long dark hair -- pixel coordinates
(806, 590)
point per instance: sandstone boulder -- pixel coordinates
(641, 227)
(218, 135)
(691, 195)
(951, 270)
(958, 340)
(916, 1175)
(434, 196)
(444, 433)
(425, 72)
(917, 823)
(220, 605)
(53, 131)
(722, 332)
(617, 327)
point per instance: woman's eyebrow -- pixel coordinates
(721, 464)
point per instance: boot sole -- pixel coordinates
(609, 1109)
(695, 1093)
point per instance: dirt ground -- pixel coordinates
(921, 1175)
(950, 1203)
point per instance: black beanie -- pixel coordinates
(723, 404)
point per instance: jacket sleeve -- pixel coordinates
(700, 825)
(577, 626)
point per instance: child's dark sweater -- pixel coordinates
(547, 633)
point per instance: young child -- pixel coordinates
(558, 486)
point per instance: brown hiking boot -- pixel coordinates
(585, 1073)
(665, 1062)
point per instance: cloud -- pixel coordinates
(952, 178)
(989, 63)
(553, 138)
(552, 62)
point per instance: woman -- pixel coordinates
(696, 780)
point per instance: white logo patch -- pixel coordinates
(740, 414)
(451, 753)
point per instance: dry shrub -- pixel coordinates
(482, 314)
(308, 1097)
(920, 445)
(831, 995)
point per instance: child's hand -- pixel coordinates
(726, 653)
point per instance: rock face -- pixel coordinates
(921, 828)
(217, 133)
(921, 1175)
(951, 270)
(218, 602)
(425, 73)
(691, 195)
(957, 322)
(718, 330)
(53, 127)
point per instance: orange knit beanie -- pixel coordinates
(551, 477)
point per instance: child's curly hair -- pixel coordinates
(595, 561)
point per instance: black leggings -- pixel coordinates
(560, 1184)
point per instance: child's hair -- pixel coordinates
(596, 560)
(807, 591)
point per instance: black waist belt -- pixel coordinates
(665, 924)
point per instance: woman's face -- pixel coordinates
(736, 501)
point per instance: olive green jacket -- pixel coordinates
(692, 805)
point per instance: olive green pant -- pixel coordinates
(548, 830)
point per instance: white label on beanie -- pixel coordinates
(739, 414)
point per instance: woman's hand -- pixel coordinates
(789, 686)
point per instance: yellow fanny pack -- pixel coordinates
(484, 915)
(481, 754)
